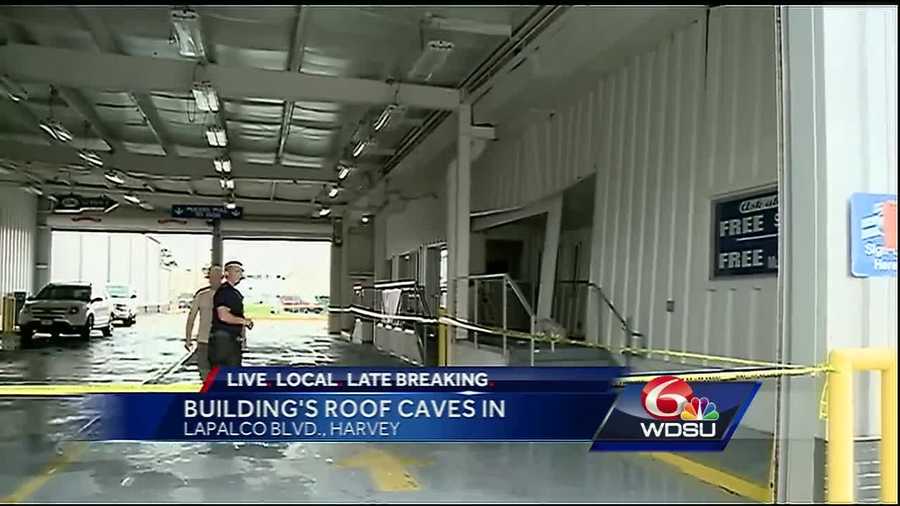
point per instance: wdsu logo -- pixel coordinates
(670, 414)
(668, 399)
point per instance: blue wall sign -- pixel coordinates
(745, 235)
(873, 235)
(206, 212)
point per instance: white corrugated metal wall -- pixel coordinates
(18, 228)
(101, 258)
(669, 131)
(672, 129)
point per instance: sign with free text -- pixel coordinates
(745, 235)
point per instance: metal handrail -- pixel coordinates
(508, 280)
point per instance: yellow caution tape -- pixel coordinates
(775, 369)
(94, 388)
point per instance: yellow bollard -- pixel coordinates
(841, 410)
(8, 303)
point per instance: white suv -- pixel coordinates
(65, 308)
(124, 304)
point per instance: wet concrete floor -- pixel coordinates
(38, 464)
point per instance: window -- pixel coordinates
(63, 292)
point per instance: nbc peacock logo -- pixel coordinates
(700, 408)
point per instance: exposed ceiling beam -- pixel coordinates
(181, 167)
(169, 197)
(295, 61)
(108, 43)
(81, 105)
(144, 74)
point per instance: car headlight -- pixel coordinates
(73, 310)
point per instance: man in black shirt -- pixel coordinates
(228, 320)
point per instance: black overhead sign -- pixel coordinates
(745, 235)
(74, 204)
(207, 212)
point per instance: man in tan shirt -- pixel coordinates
(202, 305)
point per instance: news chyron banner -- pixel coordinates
(451, 404)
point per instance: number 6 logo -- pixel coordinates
(665, 397)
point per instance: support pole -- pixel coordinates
(216, 243)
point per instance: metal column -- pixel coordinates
(216, 243)
(42, 252)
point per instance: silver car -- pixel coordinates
(65, 308)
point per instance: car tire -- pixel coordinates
(107, 330)
(85, 332)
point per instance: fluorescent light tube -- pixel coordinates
(220, 136)
(146, 206)
(325, 211)
(360, 147)
(335, 190)
(187, 33)
(113, 177)
(215, 136)
(56, 130)
(205, 96)
(231, 205)
(227, 183)
(132, 199)
(12, 89)
(90, 157)
(343, 173)
(223, 165)
(433, 57)
(33, 189)
(385, 117)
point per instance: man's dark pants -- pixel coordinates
(224, 349)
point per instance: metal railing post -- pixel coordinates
(475, 333)
(504, 317)
(625, 351)
(532, 340)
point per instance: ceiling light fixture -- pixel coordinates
(360, 147)
(433, 57)
(215, 135)
(230, 204)
(223, 165)
(113, 177)
(91, 157)
(132, 199)
(188, 35)
(227, 183)
(12, 89)
(325, 211)
(365, 218)
(33, 190)
(335, 190)
(205, 96)
(56, 130)
(146, 206)
(343, 172)
(389, 113)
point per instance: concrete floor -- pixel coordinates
(39, 466)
